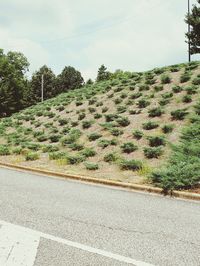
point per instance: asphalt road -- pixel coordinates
(62, 222)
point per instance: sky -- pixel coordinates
(132, 35)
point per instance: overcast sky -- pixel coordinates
(132, 35)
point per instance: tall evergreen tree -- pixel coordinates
(194, 36)
(103, 74)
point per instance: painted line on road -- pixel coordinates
(17, 242)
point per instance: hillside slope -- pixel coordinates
(118, 129)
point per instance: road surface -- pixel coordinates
(54, 222)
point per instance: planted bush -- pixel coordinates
(88, 152)
(123, 121)
(54, 138)
(177, 89)
(4, 150)
(155, 141)
(94, 136)
(116, 131)
(168, 128)
(87, 124)
(158, 88)
(156, 111)
(187, 99)
(111, 157)
(31, 156)
(81, 116)
(185, 77)
(104, 109)
(91, 166)
(75, 159)
(153, 152)
(143, 103)
(97, 116)
(196, 81)
(165, 79)
(191, 89)
(150, 125)
(138, 134)
(179, 114)
(133, 165)
(129, 147)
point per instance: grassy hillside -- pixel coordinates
(119, 129)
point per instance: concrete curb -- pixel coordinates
(144, 188)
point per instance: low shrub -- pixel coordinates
(185, 77)
(165, 79)
(87, 124)
(121, 109)
(153, 152)
(123, 121)
(92, 109)
(187, 99)
(88, 152)
(116, 131)
(75, 159)
(76, 146)
(104, 143)
(31, 156)
(129, 147)
(155, 112)
(158, 88)
(163, 102)
(97, 116)
(104, 109)
(137, 134)
(54, 138)
(91, 166)
(133, 165)
(4, 150)
(179, 114)
(81, 116)
(177, 89)
(191, 89)
(111, 157)
(150, 125)
(143, 103)
(196, 81)
(168, 128)
(94, 136)
(155, 141)
(50, 148)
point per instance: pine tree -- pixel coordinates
(103, 74)
(194, 36)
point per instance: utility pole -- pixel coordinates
(42, 88)
(189, 48)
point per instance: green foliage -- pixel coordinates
(183, 168)
(133, 165)
(69, 79)
(81, 116)
(150, 125)
(187, 99)
(155, 141)
(4, 150)
(143, 103)
(54, 138)
(156, 111)
(179, 114)
(138, 134)
(158, 88)
(153, 152)
(87, 124)
(123, 121)
(103, 74)
(165, 79)
(177, 89)
(75, 159)
(94, 136)
(168, 128)
(185, 77)
(88, 152)
(191, 89)
(129, 147)
(111, 157)
(196, 81)
(31, 156)
(91, 166)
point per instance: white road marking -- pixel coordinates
(18, 246)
